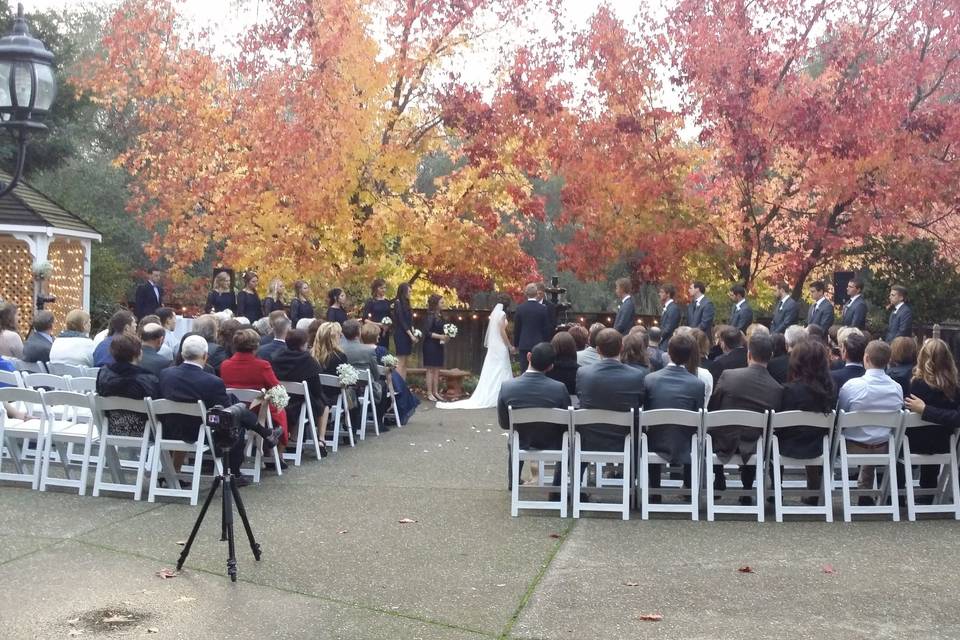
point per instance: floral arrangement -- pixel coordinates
(42, 270)
(450, 330)
(417, 334)
(348, 375)
(277, 397)
(390, 361)
(386, 321)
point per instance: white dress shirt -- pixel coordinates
(873, 391)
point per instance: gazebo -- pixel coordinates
(43, 249)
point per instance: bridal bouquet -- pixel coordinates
(348, 375)
(417, 334)
(386, 321)
(277, 397)
(390, 361)
(450, 330)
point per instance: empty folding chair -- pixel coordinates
(105, 409)
(65, 369)
(340, 410)
(584, 421)
(391, 392)
(948, 474)
(306, 423)
(65, 428)
(748, 420)
(689, 424)
(254, 441)
(45, 381)
(368, 404)
(159, 410)
(17, 434)
(29, 367)
(83, 384)
(814, 424)
(544, 419)
(893, 422)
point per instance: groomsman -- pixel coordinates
(786, 311)
(855, 311)
(149, 295)
(741, 316)
(627, 311)
(821, 311)
(901, 315)
(530, 325)
(700, 311)
(670, 316)
(551, 308)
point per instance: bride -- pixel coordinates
(496, 366)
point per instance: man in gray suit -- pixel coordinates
(673, 387)
(786, 310)
(670, 316)
(821, 310)
(37, 346)
(901, 315)
(626, 313)
(749, 389)
(741, 316)
(534, 390)
(152, 336)
(700, 311)
(610, 385)
(363, 358)
(855, 311)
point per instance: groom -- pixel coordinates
(531, 324)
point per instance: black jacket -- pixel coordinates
(127, 381)
(297, 366)
(565, 371)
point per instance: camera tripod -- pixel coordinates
(230, 495)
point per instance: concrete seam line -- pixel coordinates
(55, 542)
(327, 599)
(536, 581)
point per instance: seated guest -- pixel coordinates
(734, 354)
(589, 355)
(281, 326)
(673, 387)
(244, 370)
(703, 347)
(407, 403)
(178, 354)
(816, 332)
(693, 366)
(120, 322)
(903, 357)
(37, 346)
(534, 390)
(609, 384)
(716, 345)
(780, 364)
(654, 355)
(754, 329)
(152, 337)
(74, 346)
(852, 347)
(780, 359)
(188, 382)
(363, 359)
(874, 390)
(293, 363)
(328, 352)
(228, 329)
(370, 334)
(267, 336)
(11, 345)
(580, 336)
(634, 352)
(168, 320)
(749, 389)
(809, 388)
(124, 378)
(208, 327)
(655, 335)
(312, 332)
(565, 365)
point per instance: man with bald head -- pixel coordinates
(152, 336)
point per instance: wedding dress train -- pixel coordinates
(496, 367)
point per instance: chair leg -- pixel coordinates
(577, 474)
(564, 474)
(708, 460)
(155, 470)
(85, 463)
(695, 478)
(102, 460)
(907, 482)
(845, 479)
(514, 476)
(954, 480)
(760, 479)
(43, 457)
(777, 479)
(892, 485)
(827, 480)
(141, 466)
(643, 488)
(627, 452)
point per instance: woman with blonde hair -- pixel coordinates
(300, 306)
(73, 345)
(327, 352)
(222, 297)
(274, 300)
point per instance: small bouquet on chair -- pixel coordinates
(277, 397)
(450, 330)
(390, 361)
(348, 375)
(386, 321)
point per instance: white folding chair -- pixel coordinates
(387, 375)
(17, 434)
(29, 367)
(111, 445)
(891, 420)
(45, 381)
(91, 372)
(305, 421)
(583, 419)
(83, 384)
(64, 427)
(65, 369)
(948, 474)
(714, 420)
(786, 419)
(254, 443)
(339, 411)
(367, 404)
(158, 409)
(561, 456)
(669, 418)
(11, 379)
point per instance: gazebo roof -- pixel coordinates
(26, 209)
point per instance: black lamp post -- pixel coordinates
(27, 88)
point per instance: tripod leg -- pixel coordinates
(196, 525)
(228, 527)
(254, 546)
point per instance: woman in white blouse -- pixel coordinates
(73, 345)
(11, 344)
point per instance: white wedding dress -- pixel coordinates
(496, 367)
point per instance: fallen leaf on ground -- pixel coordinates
(117, 618)
(153, 630)
(828, 568)
(554, 535)
(167, 573)
(651, 617)
(631, 584)
(407, 521)
(502, 585)
(74, 621)
(342, 531)
(746, 569)
(181, 542)
(184, 599)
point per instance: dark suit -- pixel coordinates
(855, 313)
(785, 315)
(613, 386)
(153, 361)
(671, 388)
(146, 300)
(749, 389)
(669, 321)
(551, 317)
(625, 316)
(216, 354)
(743, 317)
(843, 374)
(779, 367)
(700, 315)
(901, 323)
(271, 348)
(531, 326)
(821, 315)
(36, 348)
(733, 359)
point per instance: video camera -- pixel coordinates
(227, 424)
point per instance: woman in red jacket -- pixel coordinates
(244, 370)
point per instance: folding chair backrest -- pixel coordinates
(246, 395)
(890, 419)
(10, 379)
(116, 403)
(45, 380)
(539, 415)
(784, 419)
(91, 372)
(19, 394)
(913, 420)
(601, 416)
(65, 369)
(30, 367)
(363, 375)
(382, 371)
(169, 407)
(328, 380)
(65, 399)
(83, 384)
(735, 418)
(295, 388)
(678, 417)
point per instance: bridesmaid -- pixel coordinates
(403, 337)
(274, 299)
(376, 309)
(433, 340)
(336, 300)
(222, 297)
(248, 302)
(300, 306)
